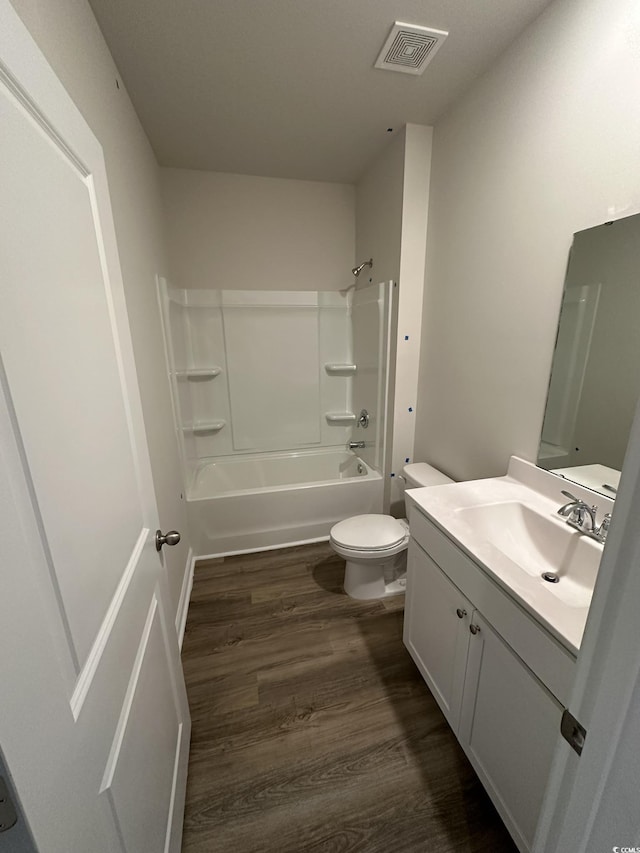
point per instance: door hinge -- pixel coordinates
(8, 814)
(572, 731)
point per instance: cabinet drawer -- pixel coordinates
(550, 661)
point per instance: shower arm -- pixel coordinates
(357, 270)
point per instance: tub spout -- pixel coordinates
(355, 445)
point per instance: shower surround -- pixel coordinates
(263, 384)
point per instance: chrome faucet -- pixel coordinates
(356, 445)
(578, 511)
(363, 419)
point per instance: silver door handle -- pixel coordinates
(170, 538)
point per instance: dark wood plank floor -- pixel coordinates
(312, 729)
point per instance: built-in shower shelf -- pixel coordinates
(205, 427)
(340, 369)
(196, 374)
(340, 418)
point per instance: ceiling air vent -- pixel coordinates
(410, 48)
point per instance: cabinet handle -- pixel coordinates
(460, 613)
(475, 629)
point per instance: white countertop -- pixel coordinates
(562, 608)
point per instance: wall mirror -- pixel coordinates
(595, 376)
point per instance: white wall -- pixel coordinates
(379, 213)
(68, 35)
(545, 144)
(240, 232)
(391, 227)
(416, 180)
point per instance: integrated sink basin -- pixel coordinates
(539, 544)
(510, 527)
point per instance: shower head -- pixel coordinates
(357, 270)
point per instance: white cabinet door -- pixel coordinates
(436, 630)
(94, 725)
(509, 728)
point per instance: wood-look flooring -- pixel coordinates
(312, 729)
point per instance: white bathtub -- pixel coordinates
(270, 500)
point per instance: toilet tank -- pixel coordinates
(419, 474)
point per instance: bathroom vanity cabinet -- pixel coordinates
(500, 678)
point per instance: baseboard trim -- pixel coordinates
(263, 548)
(185, 596)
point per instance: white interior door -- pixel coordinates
(94, 725)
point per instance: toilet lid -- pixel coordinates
(368, 532)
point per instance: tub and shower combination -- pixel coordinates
(267, 387)
(266, 501)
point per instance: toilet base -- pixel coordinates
(365, 579)
(396, 587)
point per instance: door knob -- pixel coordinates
(460, 613)
(170, 538)
(475, 629)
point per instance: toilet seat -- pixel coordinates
(372, 536)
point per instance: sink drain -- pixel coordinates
(551, 577)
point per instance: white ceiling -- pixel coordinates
(287, 88)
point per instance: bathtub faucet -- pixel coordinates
(356, 445)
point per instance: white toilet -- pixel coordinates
(375, 546)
